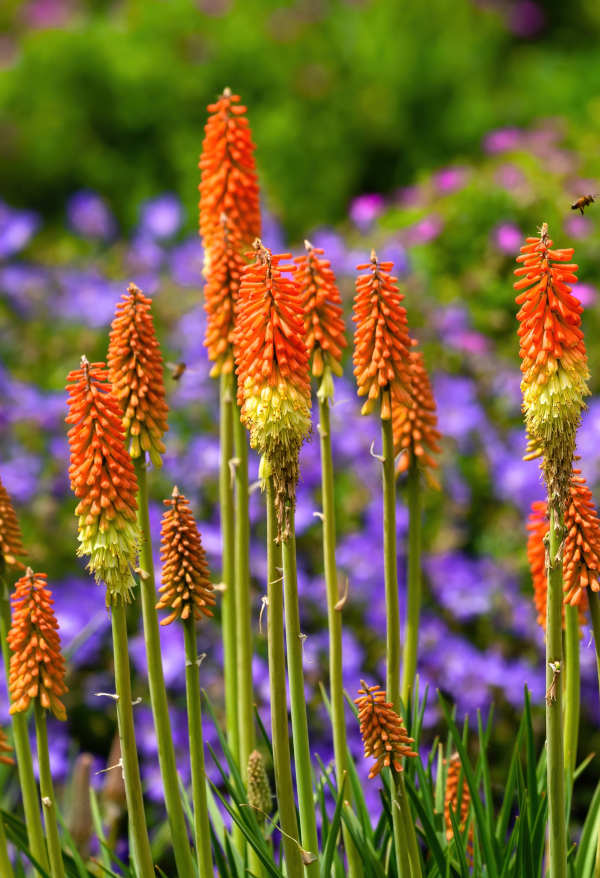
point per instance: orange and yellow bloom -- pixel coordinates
(37, 667)
(382, 730)
(103, 479)
(11, 542)
(416, 437)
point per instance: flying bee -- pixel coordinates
(176, 369)
(582, 202)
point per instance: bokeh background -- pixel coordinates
(441, 133)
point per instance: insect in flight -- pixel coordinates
(582, 202)
(176, 369)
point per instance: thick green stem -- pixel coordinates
(334, 619)
(57, 868)
(194, 710)
(227, 563)
(572, 689)
(131, 771)
(156, 682)
(554, 731)
(6, 868)
(594, 605)
(280, 737)
(294, 641)
(29, 791)
(413, 603)
(400, 836)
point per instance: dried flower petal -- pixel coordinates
(11, 544)
(37, 667)
(384, 735)
(186, 587)
(415, 425)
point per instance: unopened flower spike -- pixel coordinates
(11, 541)
(5, 749)
(416, 436)
(136, 373)
(229, 183)
(259, 791)
(325, 333)
(103, 479)
(186, 588)
(554, 360)
(382, 730)
(37, 667)
(451, 801)
(272, 370)
(381, 340)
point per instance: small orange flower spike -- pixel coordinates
(415, 425)
(384, 735)
(229, 183)
(451, 800)
(11, 544)
(538, 526)
(381, 340)
(37, 667)
(103, 478)
(325, 333)
(136, 373)
(5, 749)
(186, 590)
(554, 360)
(223, 278)
(272, 370)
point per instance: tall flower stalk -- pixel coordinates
(37, 674)
(274, 392)
(103, 479)
(188, 594)
(554, 367)
(136, 373)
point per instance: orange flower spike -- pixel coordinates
(11, 541)
(186, 588)
(538, 526)
(223, 278)
(415, 425)
(451, 797)
(325, 333)
(136, 373)
(229, 182)
(37, 667)
(382, 730)
(5, 749)
(552, 350)
(272, 369)
(381, 340)
(581, 553)
(103, 478)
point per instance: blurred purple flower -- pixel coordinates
(20, 474)
(578, 226)
(87, 297)
(515, 480)
(161, 217)
(508, 238)
(450, 179)
(459, 411)
(17, 227)
(365, 209)
(186, 262)
(586, 293)
(502, 140)
(425, 230)
(526, 18)
(510, 177)
(272, 234)
(144, 254)
(41, 14)
(25, 285)
(89, 215)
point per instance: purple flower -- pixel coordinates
(450, 179)
(161, 217)
(586, 293)
(425, 230)
(272, 234)
(526, 18)
(87, 297)
(144, 255)
(507, 237)
(502, 140)
(186, 263)
(510, 177)
(459, 411)
(365, 209)
(333, 245)
(89, 215)
(578, 226)
(17, 227)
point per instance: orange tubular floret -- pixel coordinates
(186, 587)
(415, 425)
(581, 553)
(136, 372)
(538, 525)
(325, 333)
(5, 749)
(229, 183)
(381, 340)
(382, 730)
(11, 544)
(37, 667)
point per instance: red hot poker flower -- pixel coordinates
(415, 425)
(581, 553)
(186, 590)
(229, 183)
(381, 340)
(538, 525)
(37, 667)
(11, 545)
(325, 333)
(451, 797)
(136, 373)
(384, 735)
(272, 370)
(5, 749)
(103, 478)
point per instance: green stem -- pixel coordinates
(29, 790)
(6, 868)
(572, 689)
(156, 682)
(413, 604)
(57, 868)
(334, 619)
(131, 771)
(227, 564)
(400, 838)
(280, 736)
(554, 732)
(194, 710)
(594, 605)
(294, 641)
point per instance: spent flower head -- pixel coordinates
(382, 730)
